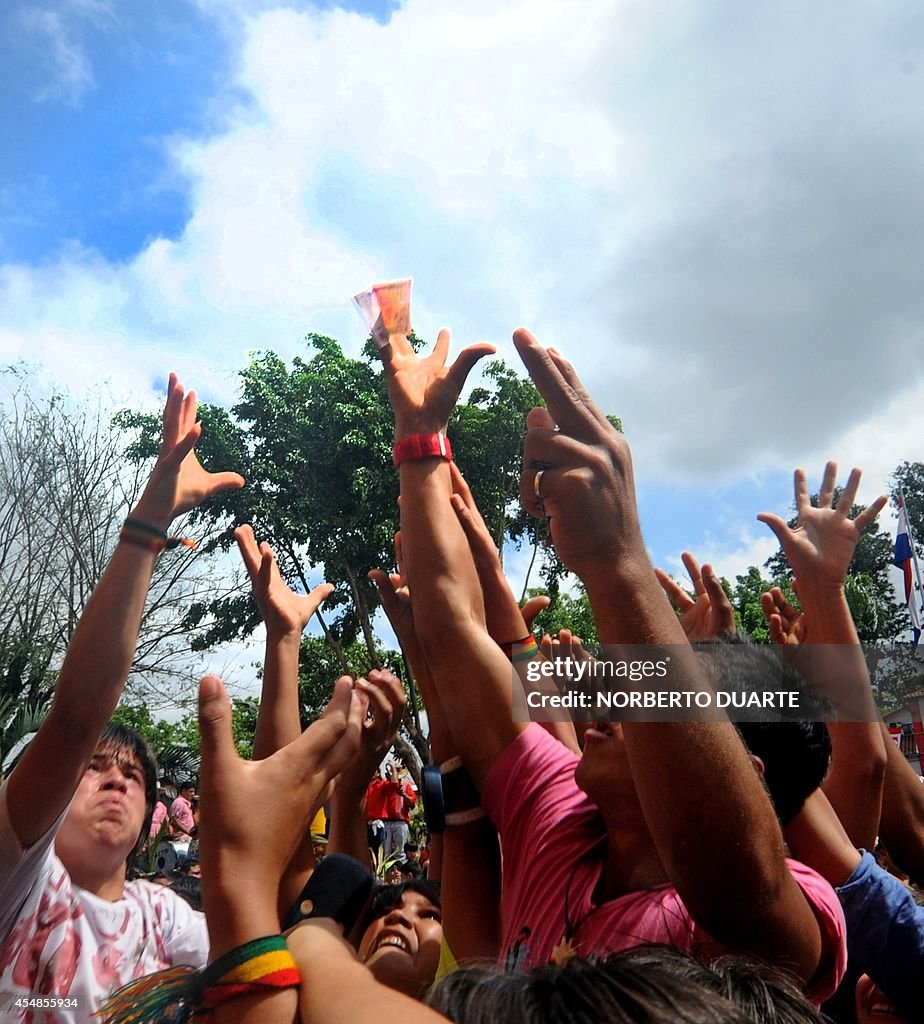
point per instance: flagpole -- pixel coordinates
(916, 589)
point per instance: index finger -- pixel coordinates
(250, 554)
(567, 404)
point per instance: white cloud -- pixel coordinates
(720, 229)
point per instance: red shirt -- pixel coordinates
(397, 807)
(376, 800)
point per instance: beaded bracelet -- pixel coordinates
(142, 535)
(179, 992)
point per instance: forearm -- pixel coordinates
(348, 819)
(902, 826)
(729, 884)
(96, 665)
(471, 674)
(237, 914)
(443, 580)
(337, 989)
(471, 921)
(279, 720)
(837, 668)
(817, 838)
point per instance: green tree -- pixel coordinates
(313, 440)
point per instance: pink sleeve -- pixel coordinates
(530, 788)
(827, 907)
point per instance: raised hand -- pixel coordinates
(577, 470)
(822, 544)
(710, 613)
(283, 610)
(255, 813)
(178, 481)
(387, 701)
(423, 389)
(787, 624)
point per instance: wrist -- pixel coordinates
(408, 427)
(152, 513)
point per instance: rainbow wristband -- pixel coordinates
(143, 535)
(522, 650)
(179, 993)
(263, 963)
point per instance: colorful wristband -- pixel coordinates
(521, 650)
(421, 446)
(178, 993)
(143, 535)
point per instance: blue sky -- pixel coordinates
(714, 210)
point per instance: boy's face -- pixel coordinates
(109, 807)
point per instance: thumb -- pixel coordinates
(466, 359)
(778, 525)
(215, 735)
(533, 607)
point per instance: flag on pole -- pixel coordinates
(903, 557)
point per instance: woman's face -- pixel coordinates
(402, 949)
(872, 1006)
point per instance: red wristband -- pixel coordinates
(421, 446)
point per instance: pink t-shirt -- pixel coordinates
(553, 841)
(158, 818)
(182, 816)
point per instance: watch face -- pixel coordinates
(431, 783)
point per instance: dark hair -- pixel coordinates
(766, 994)
(795, 750)
(410, 846)
(120, 737)
(185, 784)
(386, 898)
(613, 990)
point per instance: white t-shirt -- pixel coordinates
(57, 939)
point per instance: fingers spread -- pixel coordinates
(779, 526)
(870, 512)
(849, 494)
(677, 596)
(800, 487)
(466, 360)
(828, 483)
(247, 546)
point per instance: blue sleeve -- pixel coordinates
(885, 933)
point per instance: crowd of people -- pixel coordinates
(661, 867)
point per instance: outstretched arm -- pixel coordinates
(471, 924)
(819, 550)
(471, 673)
(100, 653)
(735, 883)
(285, 615)
(254, 815)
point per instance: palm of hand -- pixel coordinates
(700, 621)
(822, 544)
